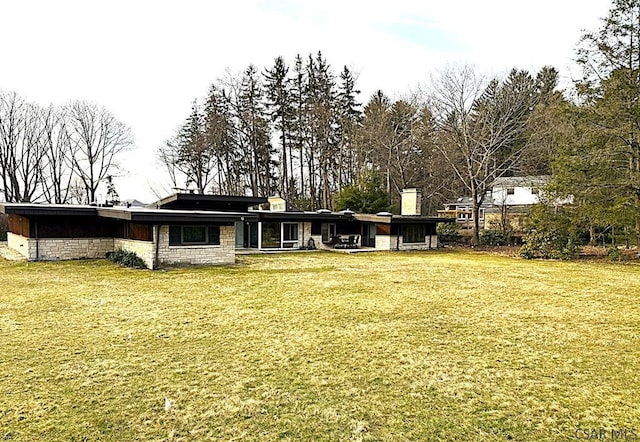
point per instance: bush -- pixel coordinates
(493, 238)
(127, 259)
(548, 244)
(3, 235)
(448, 233)
(614, 254)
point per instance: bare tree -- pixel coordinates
(21, 148)
(57, 164)
(481, 126)
(97, 137)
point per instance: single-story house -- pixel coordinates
(187, 228)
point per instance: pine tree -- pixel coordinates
(278, 94)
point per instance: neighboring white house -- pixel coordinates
(508, 200)
(518, 191)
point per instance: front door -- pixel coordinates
(250, 236)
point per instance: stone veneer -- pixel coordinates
(415, 246)
(222, 254)
(144, 249)
(53, 249)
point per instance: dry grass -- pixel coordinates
(416, 346)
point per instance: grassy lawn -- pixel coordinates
(320, 346)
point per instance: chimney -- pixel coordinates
(411, 204)
(277, 204)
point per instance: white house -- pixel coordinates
(518, 191)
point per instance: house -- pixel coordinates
(462, 210)
(186, 228)
(508, 200)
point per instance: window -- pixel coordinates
(511, 191)
(534, 191)
(194, 235)
(290, 232)
(413, 233)
(328, 231)
(270, 235)
(289, 235)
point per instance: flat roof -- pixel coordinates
(136, 214)
(302, 216)
(197, 201)
(34, 209)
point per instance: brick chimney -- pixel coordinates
(411, 203)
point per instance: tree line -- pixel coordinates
(302, 131)
(57, 154)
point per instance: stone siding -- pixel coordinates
(54, 249)
(144, 249)
(419, 246)
(383, 242)
(222, 254)
(18, 243)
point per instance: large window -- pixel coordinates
(413, 233)
(194, 235)
(270, 235)
(277, 235)
(328, 232)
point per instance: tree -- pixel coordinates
(610, 112)
(21, 148)
(349, 118)
(278, 94)
(367, 195)
(57, 167)
(97, 138)
(254, 135)
(481, 127)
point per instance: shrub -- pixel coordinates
(613, 253)
(548, 244)
(447, 232)
(127, 259)
(493, 238)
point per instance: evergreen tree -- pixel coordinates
(255, 135)
(349, 120)
(610, 113)
(278, 94)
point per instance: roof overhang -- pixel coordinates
(174, 216)
(196, 201)
(399, 219)
(29, 209)
(302, 216)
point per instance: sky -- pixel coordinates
(146, 61)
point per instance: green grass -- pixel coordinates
(320, 346)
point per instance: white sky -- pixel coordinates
(146, 61)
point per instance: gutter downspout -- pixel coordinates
(156, 230)
(35, 227)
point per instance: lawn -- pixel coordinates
(446, 345)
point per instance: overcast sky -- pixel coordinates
(146, 61)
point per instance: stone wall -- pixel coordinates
(392, 242)
(383, 242)
(18, 243)
(419, 246)
(144, 249)
(201, 254)
(54, 249)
